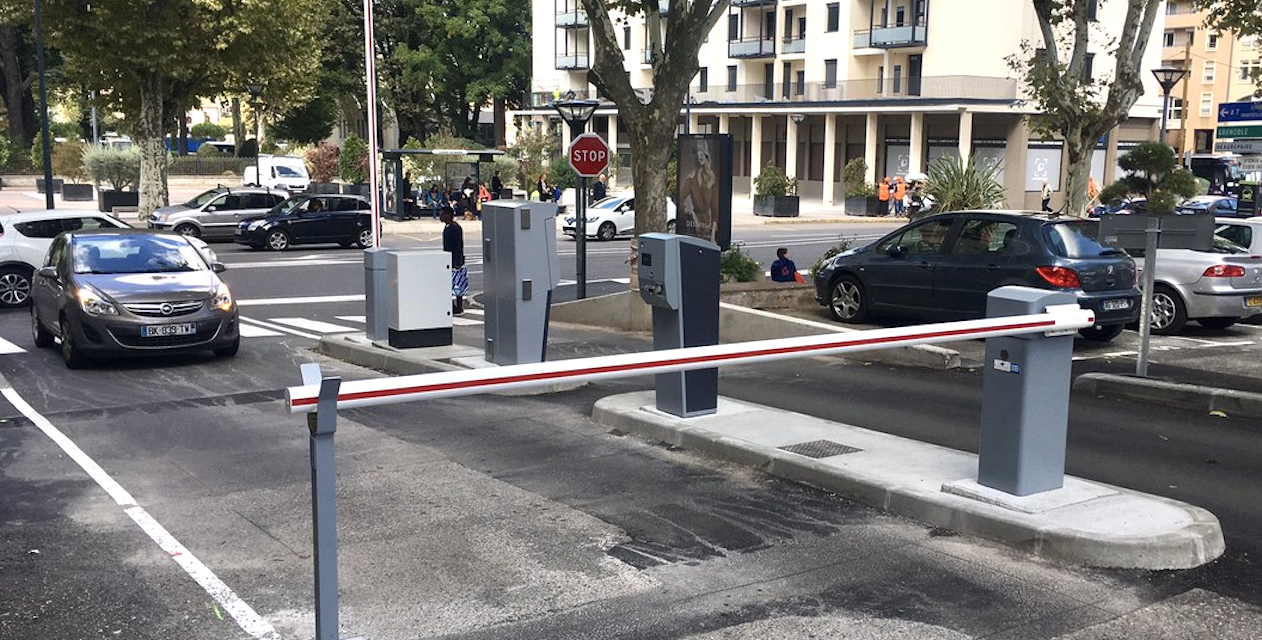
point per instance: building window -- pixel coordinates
(1208, 76)
(900, 16)
(880, 80)
(1211, 41)
(1167, 39)
(626, 38)
(830, 74)
(731, 78)
(834, 17)
(703, 80)
(898, 79)
(733, 27)
(1088, 65)
(1176, 109)
(1249, 69)
(1093, 7)
(1249, 43)
(1207, 104)
(800, 83)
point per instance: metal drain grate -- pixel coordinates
(820, 449)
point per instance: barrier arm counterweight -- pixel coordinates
(1059, 319)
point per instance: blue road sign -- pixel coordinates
(1239, 111)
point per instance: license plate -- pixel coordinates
(162, 330)
(1253, 301)
(1114, 305)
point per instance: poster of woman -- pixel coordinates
(705, 188)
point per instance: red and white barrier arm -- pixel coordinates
(1058, 319)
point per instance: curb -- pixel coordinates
(1240, 404)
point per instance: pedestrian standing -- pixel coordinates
(1047, 196)
(453, 243)
(883, 194)
(900, 195)
(598, 189)
(497, 186)
(541, 185)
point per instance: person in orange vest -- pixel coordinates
(900, 192)
(883, 194)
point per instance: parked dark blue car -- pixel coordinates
(943, 267)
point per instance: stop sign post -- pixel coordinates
(589, 157)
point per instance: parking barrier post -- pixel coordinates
(323, 424)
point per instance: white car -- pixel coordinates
(614, 216)
(24, 240)
(1246, 232)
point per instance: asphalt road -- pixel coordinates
(520, 518)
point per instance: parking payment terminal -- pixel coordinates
(679, 278)
(520, 271)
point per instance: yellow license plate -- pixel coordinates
(1253, 301)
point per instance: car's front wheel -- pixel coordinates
(607, 232)
(849, 302)
(70, 354)
(1098, 333)
(1169, 314)
(41, 335)
(15, 287)
(277, 240)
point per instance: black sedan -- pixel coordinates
(1219, 206)
(131, 292)
(945, 265)
(310, 219)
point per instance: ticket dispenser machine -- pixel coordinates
(418, 308)
(520, 270)
(679, 278)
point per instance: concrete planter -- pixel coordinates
(776, 206)
(109, 199)
(863, 206)
(57, 183)
(356, 189)
(325, 187)
(77, 192)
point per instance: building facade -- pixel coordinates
(811, 84)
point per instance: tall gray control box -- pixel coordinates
(520, 270)
(679, 278)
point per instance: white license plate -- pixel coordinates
(1114, 305)
(162, 330)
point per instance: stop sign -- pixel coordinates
(589, 155)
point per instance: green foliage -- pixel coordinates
(963, 187)
(322, 162)
(6, 151)
(210, 151)
(36, 152)
(433, 168)
(308, 123)
(352, 164)
(506, 167)
(1153, 171)
(70, 131)
(841, 247)
(854, 179)
(68, 161)
(736, 266)
(532, 152)
(772, 181)
(561, 174)
(269, 146)
(248, 149)
(207, 131)
(119, 169)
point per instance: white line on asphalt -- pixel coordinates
(276, 327)
(465, 322)
(312, 325)
(7, 347)
(259, 302)
(245, 616)
(251, 331)
(359, 319)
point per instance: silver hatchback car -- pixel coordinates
(214, 214)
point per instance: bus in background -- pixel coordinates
(1220, 170)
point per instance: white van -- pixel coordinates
(279, 172)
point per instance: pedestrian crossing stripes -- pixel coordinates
(8, 347)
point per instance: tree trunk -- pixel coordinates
(238, 128)
(183, 137)
(149, 129)
(1079, 146)
(498, 107)
(14, 87)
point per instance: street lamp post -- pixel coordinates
(1167, 77)
(256, 90)
(576, 113)
(43, 109)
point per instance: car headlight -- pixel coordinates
(256, 225)
(223, 298)
(94, 304)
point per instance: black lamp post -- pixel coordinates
(256, 90)
(576, 113)
(1167, 77)
(43, 110)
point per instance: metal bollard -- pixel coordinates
(376, 292)
(323, 424)
(1025, 398)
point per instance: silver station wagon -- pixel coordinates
(214, 214)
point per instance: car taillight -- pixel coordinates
(1224, 271)
(1063, 277)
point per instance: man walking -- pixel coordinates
(1047, 196)
(599, 188)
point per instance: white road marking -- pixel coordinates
(465, 322)
(359, 319)
(276, 327)
(7, 347)
(312, 325)
(245, 616)
(260, 302)
(252, 331)
(475, 312)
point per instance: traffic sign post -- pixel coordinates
(589, 157)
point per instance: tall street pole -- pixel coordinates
(370, 68)
(43, 110)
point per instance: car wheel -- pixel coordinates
(1098, 333)
(70, 354)
(43, 338)
(364, 239)
(1169, 314)
(230, 350)
(15, 287)
(277, 240)
(1217, 323)
(849, 302)
(188, 230)
(607, 232)
(670, 226)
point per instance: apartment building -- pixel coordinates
(811, 84)
(1221, 68)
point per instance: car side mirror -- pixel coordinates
(211, 208)
(218, 267)
(48, 272)
(896, 251)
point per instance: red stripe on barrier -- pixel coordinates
(386, 393)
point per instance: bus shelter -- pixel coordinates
(453, 174)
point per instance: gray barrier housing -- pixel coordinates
(420, 298)
(520, 270)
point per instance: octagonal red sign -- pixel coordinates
(589, 155)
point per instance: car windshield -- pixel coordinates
(202, 198)
(1077, 239)
(610, 202)
(287, 172)
(136, 253)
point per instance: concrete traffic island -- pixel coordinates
(1085, 522)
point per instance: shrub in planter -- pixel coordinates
(861, 197)
(207, 131)
(775, 194)
(737, 266)
(119, 169)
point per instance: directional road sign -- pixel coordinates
(1246, 147)
(1239, 111)
(1250, 164)
(589, 155)
(1241, 131)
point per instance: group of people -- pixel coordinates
(465, 202)
(547, 192)
(899, 197)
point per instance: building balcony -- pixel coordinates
(573, 62)
(752, 3)
(793, 45)
(754, 47)
(892, 37)
(934, 87)
(572, 20)
(646, 56)
(538, 99)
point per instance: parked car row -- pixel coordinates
(1218, 206)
